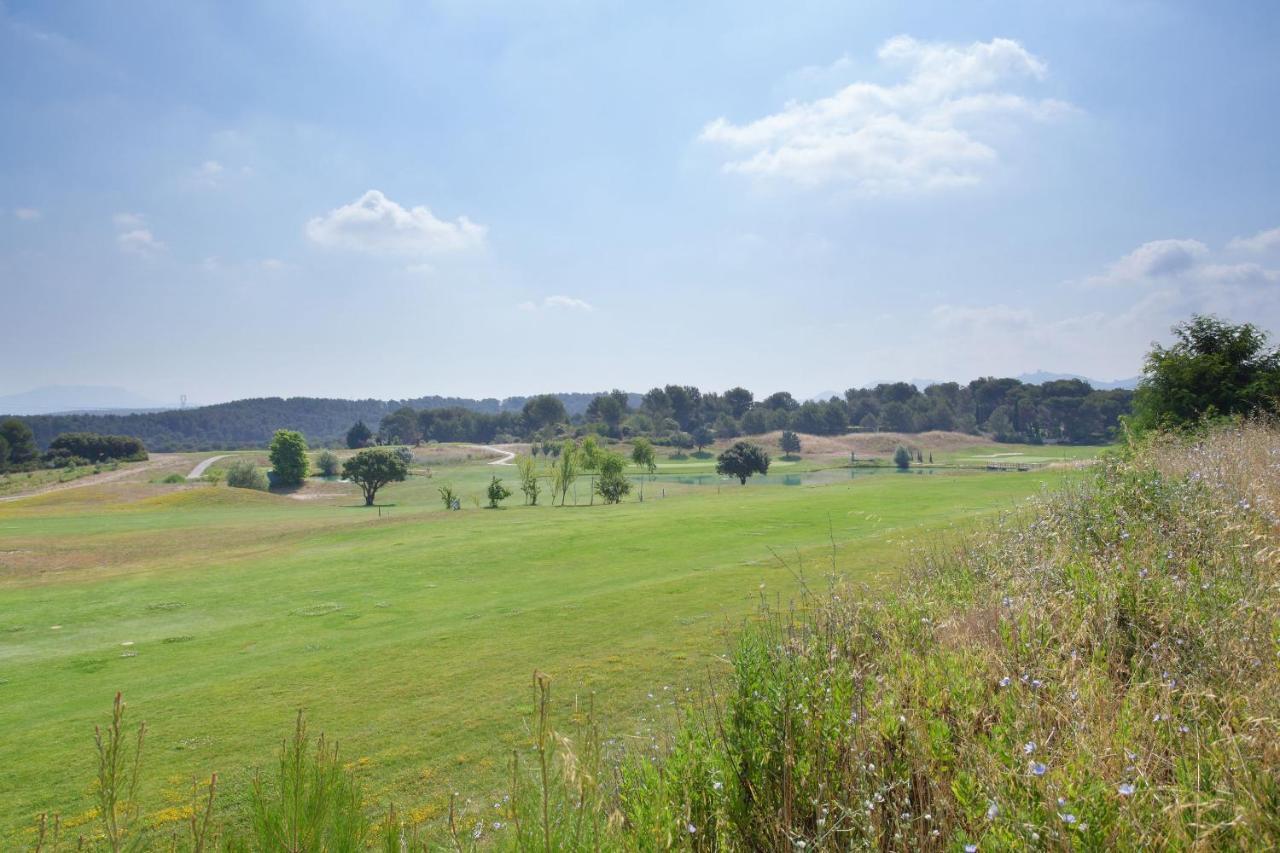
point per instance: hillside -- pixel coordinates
(251, 422)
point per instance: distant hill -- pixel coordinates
(250, 423)
(76, 398)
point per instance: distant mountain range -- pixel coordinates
(1041, 376)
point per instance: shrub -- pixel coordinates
(447, 495)
(497, 492)
(312, 803)
(902, 457)
(244, 474)
(327, 463)
(174, 479)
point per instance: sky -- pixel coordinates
(382, 199)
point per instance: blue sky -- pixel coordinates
(478, 198)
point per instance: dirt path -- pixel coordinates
(90, 480)
(504, 456)
(198, 471)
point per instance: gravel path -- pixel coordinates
(504, 456)
(198, 471)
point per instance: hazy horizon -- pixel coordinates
(231, 201)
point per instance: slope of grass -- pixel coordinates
(219, 612)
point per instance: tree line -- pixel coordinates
(684, 416)
(680, 415)
(20, 452)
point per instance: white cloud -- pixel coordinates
(1261, 242)
(27, 214)
(208, 174)
(559, 303)
(139, 241)
(376, 224)
(1156, 259)
(983, 318)
(929, 132)
(134, 237)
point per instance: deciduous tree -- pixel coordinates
(742, 460)
(289, 462)
(373, 468)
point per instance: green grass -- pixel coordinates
(411, 636)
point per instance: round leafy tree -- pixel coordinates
(372, 469)
(613, 485)
(742, 460)
(289, 462)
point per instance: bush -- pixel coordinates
(327, 463)
(97, 448)
(244, 474)
(902, 457)
(497, 492)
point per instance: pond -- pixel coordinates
(799, 478)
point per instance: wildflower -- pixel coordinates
(1125, 789)
(1068, 818)
(1028, 747)
(993, 810)
(1037, 768)
(971, 848)
(692, 829)
(717, 785)
(1006, 681)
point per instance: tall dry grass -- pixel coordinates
(1097, 672)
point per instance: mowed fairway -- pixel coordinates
(411, 637)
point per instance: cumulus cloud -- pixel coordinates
(1263, 241)
(376, 224)
(1156, 259)
(931, 131)
(27, 214)
(558, 303)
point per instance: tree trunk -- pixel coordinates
(369, 496)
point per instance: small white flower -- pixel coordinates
(1125, 789)
(692, 829)
(1028, 747)
(993, 810)
(971, 848)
